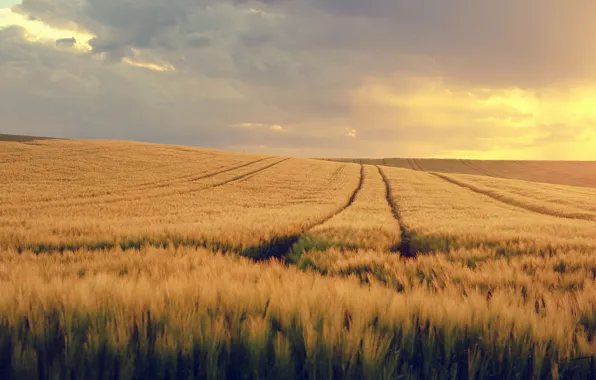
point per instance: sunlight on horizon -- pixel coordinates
(521, 117)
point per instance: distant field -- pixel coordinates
(572, 173)
(138, 261)
(19, 138)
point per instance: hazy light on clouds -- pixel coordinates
(273, 127)
(315, 77)
(8, 3)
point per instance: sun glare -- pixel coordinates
(520, 116)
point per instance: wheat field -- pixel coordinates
(124, 260)
(571, 173)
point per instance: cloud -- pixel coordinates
(38, 31)
(70, 42)
(198, 40)
(534, 42)
(316, 77)
(272, 127)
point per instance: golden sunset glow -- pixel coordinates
(148, 65)
(469, 88)
(309, 189)
(517, 117)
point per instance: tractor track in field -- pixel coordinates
(181, 179)
(248, 175)
(411, 244)
(278, 247)
(135, 196)
(411, 164)
(492, 196)
(417, 164)
(480, 170)
(497, 198)
(281, 248)
(363, 182)
(231, 169)
(504, 200)
(219, 184)
(404, 247)
(158, 182)
(350, 201)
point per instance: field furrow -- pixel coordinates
(560, 201)
(416, 165)
(366, 222)
(107, 168)
(196, 176)
(479, 169)
(277, 200)
(397, 163)
(439, 215)
(571, 173)
(45, 191)
(175, 188)
(250, 174)
(130, 260)
(455, 166)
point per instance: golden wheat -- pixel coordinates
(241, 207)
(432, 207)
(482, 269)
(55, 170)
(366, 223)
(570, 173)
(210, 302)
(508, 293)
(557, 200)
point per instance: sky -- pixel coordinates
(508, 79)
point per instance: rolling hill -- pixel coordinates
(572, 173)
(131, 260)
(21, 138)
